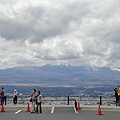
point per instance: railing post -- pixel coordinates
(100, 100)
(76, 105)
(68, 99)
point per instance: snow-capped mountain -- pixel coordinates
(59, 74)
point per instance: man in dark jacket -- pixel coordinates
(2, 95)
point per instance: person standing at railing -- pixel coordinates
(33, 98)
(2, 95)
(116, 96)
(39, 101)
(118, 91)
(15, 96)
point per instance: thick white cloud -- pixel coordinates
(76, 32)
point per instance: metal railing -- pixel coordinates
(66, 100)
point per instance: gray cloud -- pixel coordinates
(81, 32)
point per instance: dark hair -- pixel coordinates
(34, 90)
(39, 92)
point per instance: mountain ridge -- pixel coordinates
(60, 74)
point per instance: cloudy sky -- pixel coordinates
(75, 32)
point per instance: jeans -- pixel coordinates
(118, 103)
(15, 100)
(39, 105)
(2, 99)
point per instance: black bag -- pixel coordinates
(30, 99)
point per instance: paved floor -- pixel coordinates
(60, 114)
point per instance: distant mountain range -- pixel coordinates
(59, 75)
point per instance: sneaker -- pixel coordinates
(32, 112)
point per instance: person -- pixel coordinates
(33, 97)
(2, 95)
(118, 91)
(15, 96)
(116, 95)
(39, 101)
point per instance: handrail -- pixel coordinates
(67, 99)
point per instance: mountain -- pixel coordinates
(64, 75)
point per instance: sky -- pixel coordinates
(74, 32)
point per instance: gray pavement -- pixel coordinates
(82, 115)
(56, 112)
(12, 107)
(64, 110)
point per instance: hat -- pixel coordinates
(15, 90)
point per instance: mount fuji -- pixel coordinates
(59, 75)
